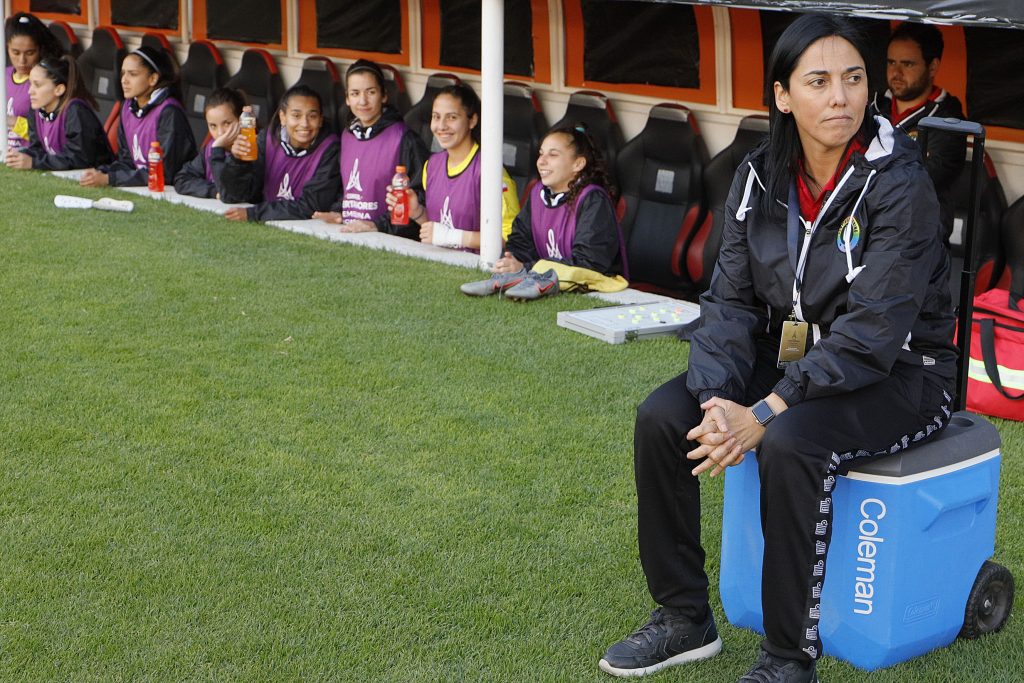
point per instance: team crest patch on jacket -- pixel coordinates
(849, 224)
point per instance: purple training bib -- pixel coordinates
(52, 134)
(285, 175)
(206, 160)
(367, 167)
(454, 202)
(18, 104)
(139, 133)
(554, 230)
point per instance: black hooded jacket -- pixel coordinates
(890, 303)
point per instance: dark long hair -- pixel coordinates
(64, 71)
(25, 24)
(784, 148)
(165, 69)
(594, 172)
(470, 102)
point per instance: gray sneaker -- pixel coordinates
(498, 282)
(534, 286)
(771, 669)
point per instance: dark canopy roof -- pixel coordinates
(1004, 13)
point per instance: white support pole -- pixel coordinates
(492, 73)
(3, 86)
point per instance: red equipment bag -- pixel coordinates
(995, 379)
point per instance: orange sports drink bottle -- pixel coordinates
(247, 130)
(155, 166)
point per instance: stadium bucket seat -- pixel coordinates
(662, 173)
(418, 117)
(320, 74)
(68, 40)
(259, 78)
(524, 128)
(201, 74)
(595, 110)
(702, 251)
(101, 68)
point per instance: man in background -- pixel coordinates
(913, 58)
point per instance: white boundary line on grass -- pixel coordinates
(374, 240)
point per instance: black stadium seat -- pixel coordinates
(395, 85)
(159, 42)
(595, 110)
(702, 251)
(201, 74)
(418, 117)
(259, 78)
(101, 69)
(68, 40)
(320, 74)
(991, 207)
(1013, 239)
(661, 175)
(524, 129)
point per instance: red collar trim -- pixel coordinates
(810, 206)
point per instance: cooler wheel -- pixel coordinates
(989, 603)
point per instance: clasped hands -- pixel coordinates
(727, 431)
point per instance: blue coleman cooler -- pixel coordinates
(908, 565)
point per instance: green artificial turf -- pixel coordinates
(232, 453)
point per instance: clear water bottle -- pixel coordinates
(399, 185)
(155, 165)
(247, 129)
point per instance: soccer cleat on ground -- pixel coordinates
(666, 640)
(771, 669)
(498, 282)
(534, 286)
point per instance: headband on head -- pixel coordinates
(23, 20)
(149, 60)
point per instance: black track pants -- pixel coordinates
(803, 450)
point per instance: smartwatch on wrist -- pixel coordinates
(763, 413)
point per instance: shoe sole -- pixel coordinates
(533, 295)
(704, 652)
(494, 290)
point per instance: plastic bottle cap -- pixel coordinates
(399, 169)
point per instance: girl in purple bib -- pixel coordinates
(201, 176)
(152, 112)
(451, 178)
(568, 218)
(296, 170)
(28, 42)
(374, 143)
(64, 130)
